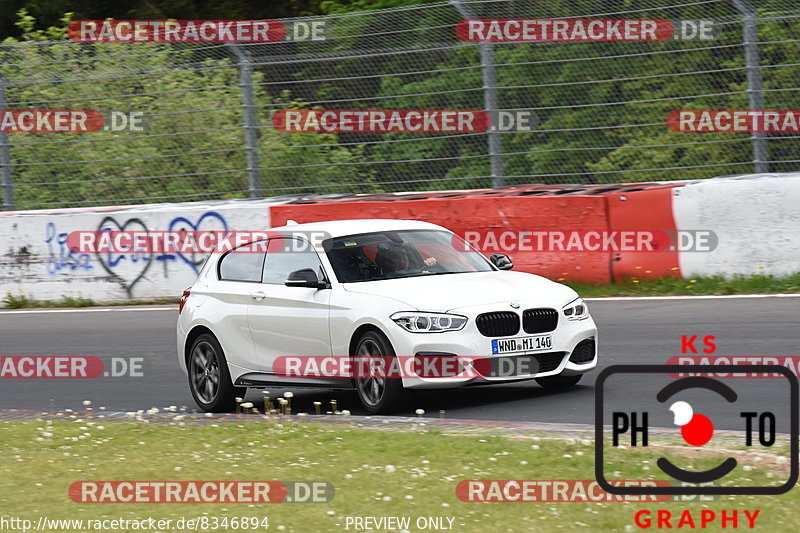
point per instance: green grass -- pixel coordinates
(22, 301)
(674, 286)
(152, 301)
(39, 461)
(14, 301)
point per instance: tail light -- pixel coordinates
(184, 297)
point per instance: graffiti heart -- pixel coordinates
(209, 221)
(126, 269)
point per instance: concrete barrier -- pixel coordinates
(753, 221)
(755, 218)
(36, 262)
(648, 209)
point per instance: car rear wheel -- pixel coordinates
(209, 379)
(558, 382)
(378, 392)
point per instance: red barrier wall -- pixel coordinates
(645, 210)
(481, 214)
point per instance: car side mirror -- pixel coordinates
(501, 261)
(305, 277)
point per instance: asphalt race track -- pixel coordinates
(631, 331)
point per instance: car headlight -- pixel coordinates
(576, 310)
(418, 322)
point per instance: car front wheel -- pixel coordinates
(378, 392)
(209, 379)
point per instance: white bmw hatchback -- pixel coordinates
(382, 289)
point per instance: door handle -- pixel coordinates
(258, 295)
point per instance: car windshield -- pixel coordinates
(401, 254)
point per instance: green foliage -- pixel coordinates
(73, 301)
(17, 301)
(20, 301)
(27, 25)
(48, 13)
(348, 6)
(602, 107)
(194, 148)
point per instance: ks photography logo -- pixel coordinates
(759, 415)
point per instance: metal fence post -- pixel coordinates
(5, 157)
(754, 84)
(495, 146)
(245, 68)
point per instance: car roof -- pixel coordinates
(341, 228)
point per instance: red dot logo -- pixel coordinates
(696, 429)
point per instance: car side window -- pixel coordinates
(241, 264)
(284, 256)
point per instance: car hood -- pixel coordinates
(450, 292)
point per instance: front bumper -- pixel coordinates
(574, 351)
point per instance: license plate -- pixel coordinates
(522, 344)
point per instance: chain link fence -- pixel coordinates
(601, 107)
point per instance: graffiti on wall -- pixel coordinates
(59, 256)
(209, 221)
(128, 269)
(125, 269)
(38, 259)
